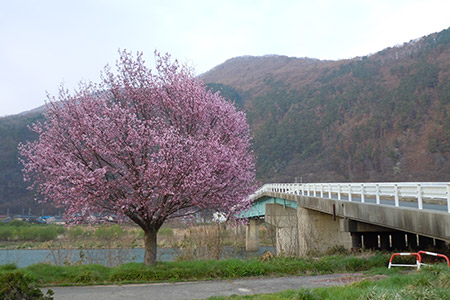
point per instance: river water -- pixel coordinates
(107, 257)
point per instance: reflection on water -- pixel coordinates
(108, 257)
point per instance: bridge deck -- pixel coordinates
(387, 205)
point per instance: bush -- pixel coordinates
(6, 233)
(109, 233)
(47, 234)
(75, 233)
(38, 233)
(18, 223)
(60, 229)
(17, 286)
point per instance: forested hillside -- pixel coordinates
(13, 192)
(383, 117)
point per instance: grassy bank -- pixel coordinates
(432, 283)
(45, 274)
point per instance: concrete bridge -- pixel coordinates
(314, 217)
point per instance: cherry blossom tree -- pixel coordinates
(142, 145)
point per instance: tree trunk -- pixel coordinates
(150, 246)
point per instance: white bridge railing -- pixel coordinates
(419, 192)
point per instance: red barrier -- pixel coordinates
(435, 254)
(417, 265)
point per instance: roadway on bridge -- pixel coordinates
(201, 289)
(402, 203)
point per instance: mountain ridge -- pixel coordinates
(380, 117)
(375, 117)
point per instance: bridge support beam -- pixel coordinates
(285, 221)
(252, 235)
(370, 240)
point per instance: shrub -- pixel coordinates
(38, 233)
(60, 229)
(46, 234)
(18, 223)
(109, 233)
(17, 286)
(75, 233)
(6, 233)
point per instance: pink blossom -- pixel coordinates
(150, 147)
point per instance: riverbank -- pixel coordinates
(45, 274)
(366, 277)
(210, 236)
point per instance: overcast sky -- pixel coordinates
(46, 42)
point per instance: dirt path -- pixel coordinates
(202, 289)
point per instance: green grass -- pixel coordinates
(46, 274)
(431, 283)
(428, 283)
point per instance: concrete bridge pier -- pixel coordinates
(252, 235)
(317, 232)
(285, 221)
